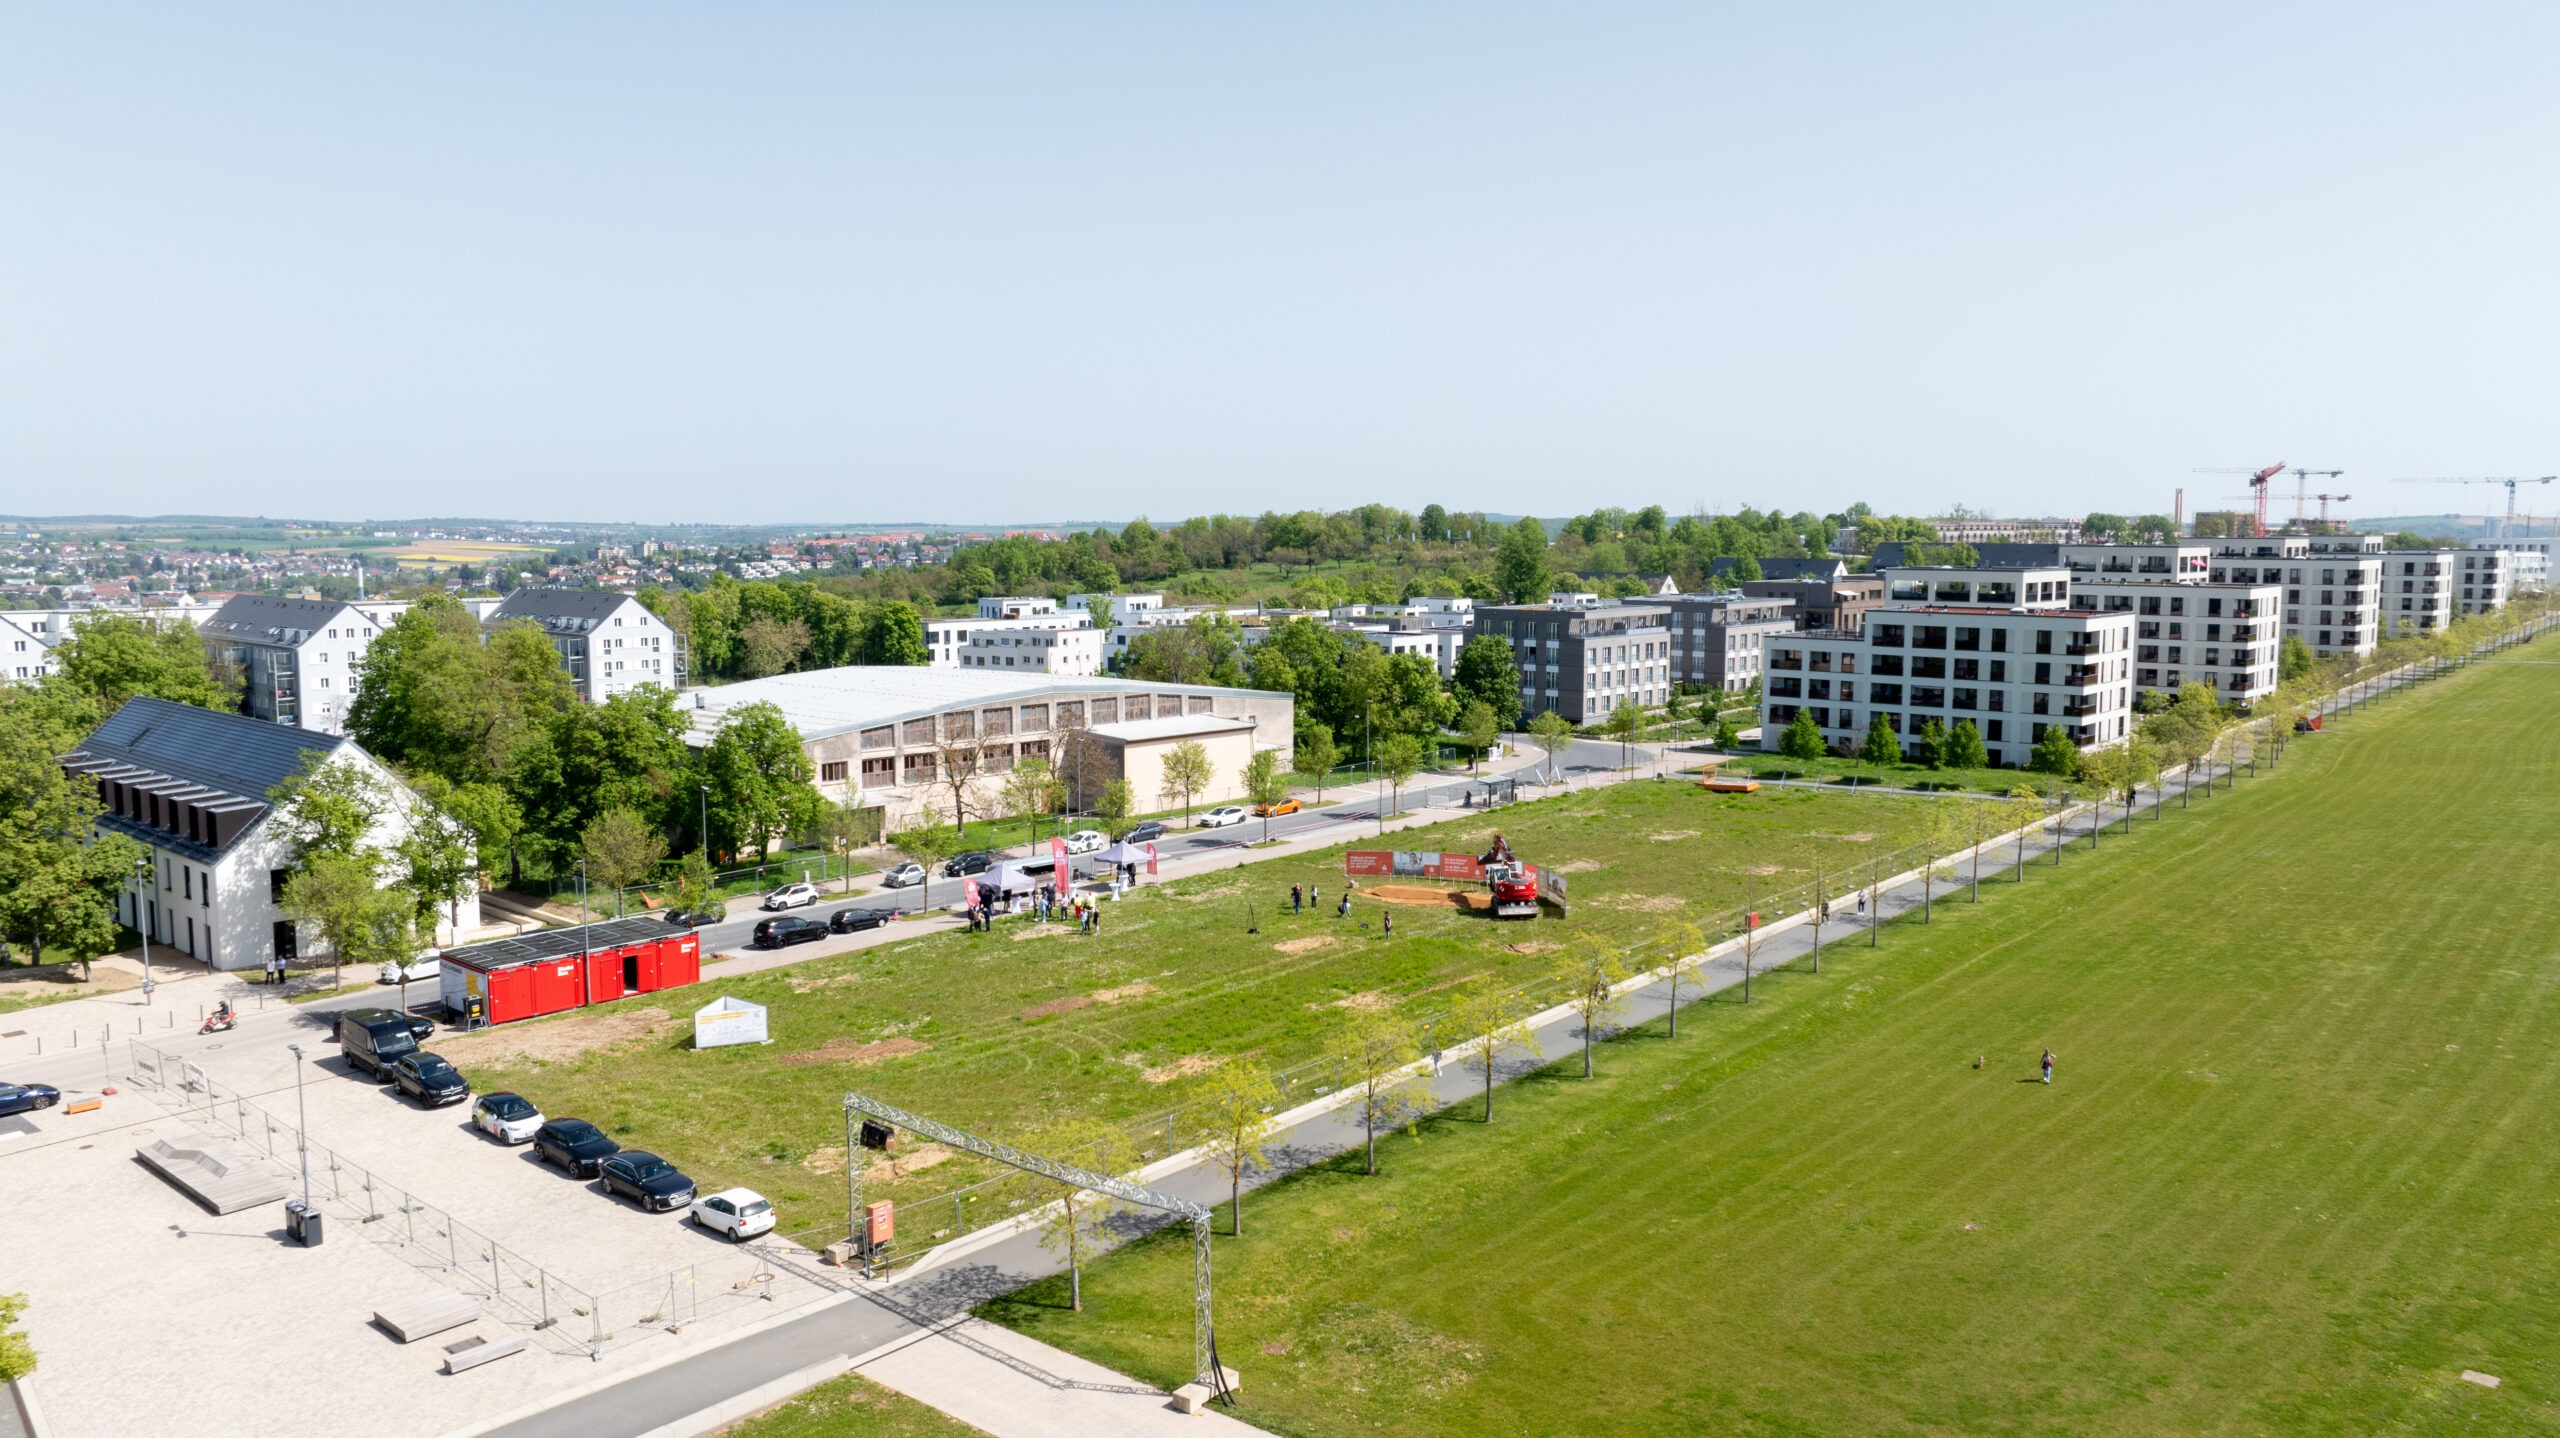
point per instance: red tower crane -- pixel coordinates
(2257, 489)
(2324, 503)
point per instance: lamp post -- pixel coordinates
(142, 907)
(301, 1126)
(706, 821)
(586, 948)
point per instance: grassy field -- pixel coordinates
(2294, 1175)
(1005, 1031)
(851, 1407)
(1900, 776)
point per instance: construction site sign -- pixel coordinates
(1412, 864)
(1550, 886)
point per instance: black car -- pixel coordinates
(854, 921)
(976, 861)
(646, 1179)
(1146, 833)
(374, 1039)
(27, 1097)
(693, 918)
(781, 933)
(578, 1146)
(429, 1080)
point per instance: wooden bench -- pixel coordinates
(426, 1315)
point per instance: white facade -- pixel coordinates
(1015, 606)
(1047, 649)
(1999, 647)
(2332, 585)
(946, 640)
(296, 658)
(2425, 590)
(609, 642)
(24, 656)
(2227, 636)
(2529, 568)
(1112, 609)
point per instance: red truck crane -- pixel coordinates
(1514, 884)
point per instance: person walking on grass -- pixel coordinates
(1297, 900)
(2048, 1065)
(1387, 923)
(1343, 910)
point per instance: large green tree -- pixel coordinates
(57, 888)
(759, 779)
(433, 696)
(1485, 672)
(625, 753)
(1521, 566)
(111, 658)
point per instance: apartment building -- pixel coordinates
(2228, 637)
(1718, 640)
(2002, 647)
(2487, 578)
(24, 656)
(1823, 604)
(191, 786)
(2529, 564)
(1042, 650)
(946, 640)
(1436, 627)
(610, 642)
(2332, 585)
(1584, 660)
(296, 658)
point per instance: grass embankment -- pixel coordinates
(2294, 1174)
(1007, 1031)
(1859, 773)
(852, 1407)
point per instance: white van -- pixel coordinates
(428, 966)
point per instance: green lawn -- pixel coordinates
(1847, 772)
(851, 1407)
(2295, 1173)
(1008, 1030)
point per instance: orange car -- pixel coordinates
(1274, 811)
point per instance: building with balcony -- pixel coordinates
(295, 659)
(1584, 660)
(1823, 604)
(2001, 647)
(1718, 640)
(1049, 649)
(2228, 637)
(2332, 585)
(2528, 564)
(609, 642)
(947, 640)
(2425, 590)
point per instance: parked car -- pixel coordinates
(506, 1117)
(430, 1080)
(792, 896)
(375, 1039)
(740, 1213)
(27, 1097)
(782, 933)
(1088, 841)
(694, 918)
(1275, 810)
(577, 1146)
(976, 861)
(854, 921)
(425, 968)
(646, 1179)
(1146, 833)
(904, 876)
(1223, 815)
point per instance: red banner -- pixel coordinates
(1151, 861)
(1063, 876)
(1368, 863)
(1412, 864)
(969, 891)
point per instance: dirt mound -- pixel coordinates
(1074, 1002)
(1300, 946)
(899, 1165)
(860, 1055)
(1534, 946)
(1422, 897)
(554, 1041)
(1187, 1066)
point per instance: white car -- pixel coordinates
(423, 968)
(905, 876)
(1088, 841)
(792, 896)
(1224, 815)
(740, 1213)
(506, 1117)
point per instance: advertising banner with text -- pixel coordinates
(1411, 864)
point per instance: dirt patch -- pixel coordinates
(1417, 895)
(1305, 945)
(1642, 903)
(1370, 1002)
(1765, 870)
(554, 1041)
(1534, 946)
(1187, 1066)
(1074, 1002)
(1043, 931)
(899, 1165)
(1673, 836)
(1223, 891)
(824, 1160)
(60, 980)
(1446, 984)
(1849, 838)
(860, 1055)
(1580, 866)
(802, 986)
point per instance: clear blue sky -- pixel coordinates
(972, 262)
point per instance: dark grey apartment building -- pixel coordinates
(1582, 661)
(1824, 603)
(1717, 639)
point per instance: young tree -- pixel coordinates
(1481, 1016)
(1114, 808)
(1623, 724)
(1931, 750)
(1317, 754)
(1803, 739)
(621, 849)
(1478, 725)
(1232, 1110)
(1379, 1046)
(1728, 734)
(361, 921)
(1688, 949)
(1963, 747)
(1031, 788)
(842, 828)
(2054, 753)
(2294, 659)
(1485, 673)
(1186, 773)
(928, 845)
(1594, 969)
(1520, 569)
(1399, 759)
(1265, 785)
(1552, 733)
(959, 759)
(1076, 1229)
(689, 891)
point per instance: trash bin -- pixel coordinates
(302, 1222)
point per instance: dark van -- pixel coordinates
(375, 1039)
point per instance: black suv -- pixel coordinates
(375, 1039)
(976, 861)
(782, 933)
(854, 921)
(1146, 833)
(429, 1080)
(578, 1146)
(647, 1180)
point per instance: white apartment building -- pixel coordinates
(2487, 578)
(2161, 563)
(296, 658)
(609, 641)
(24, 656)
(1107, 610)
(1015, 606)
(2529, 568)
(2425, 590)
(2006, 531)
(2225, 636)
(1719, 640)
(1045, 650)
(2332, 585)
(1999, 646)
(191, 785)
(947, 640)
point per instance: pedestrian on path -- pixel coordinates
(2048, 1065)
(1862, 906)
(1097, 918)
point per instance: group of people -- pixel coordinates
(1303, 897)
(1044, 905)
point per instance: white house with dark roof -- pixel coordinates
(296, 658)
(191, 785)
(24, 655)
(610, 642)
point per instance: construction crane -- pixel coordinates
(2510, 481)
(2301, 478)
(2257, 488)
(2324, 503)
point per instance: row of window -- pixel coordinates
(1035, 718)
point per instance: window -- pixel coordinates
(884, 737)
(919, 731)
(276, 880)
(919, 768)
(879, 773)
(831, 772)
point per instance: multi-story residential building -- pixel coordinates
(610, 642)
(1819, 604)
(2001, 647)
(1053, 649)
(24, 656)
(2000, 531)
(2228, 637)
(1825, 570)
(2529, 567)
(1717, 640)
(296, 658)
(946, 640)
(2332, 585)
(2156, 563)
(2425, 590)
(881, 736)
(192, 785)
(2487, 578)
(1584, 660)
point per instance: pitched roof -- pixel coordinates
(272, 617)
(229, 753)
(561, 608)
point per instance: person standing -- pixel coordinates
(2048, 1065)
(1297, 899)
(1315, 896)
(1343, 909)
(1387, 924)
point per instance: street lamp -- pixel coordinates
(586, 947)
(706, 822)
(142, 910)
(301, 1126)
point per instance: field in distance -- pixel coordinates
(2294, 1173)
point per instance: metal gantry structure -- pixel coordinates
(1204, 1345)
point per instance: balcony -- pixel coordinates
(1928, 698)
(2080, 676)
(2080, 708)
(1928, 669)
(2079, 649)
(1786, 688)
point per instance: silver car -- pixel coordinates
(792, 896)
(905, 876)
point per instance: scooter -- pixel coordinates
(219, 1021)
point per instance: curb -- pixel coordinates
(755, 1400)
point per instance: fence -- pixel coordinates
(513, 1289)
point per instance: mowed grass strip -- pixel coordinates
(1008, 1031)
(851, 1407)
(2295, 1173)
